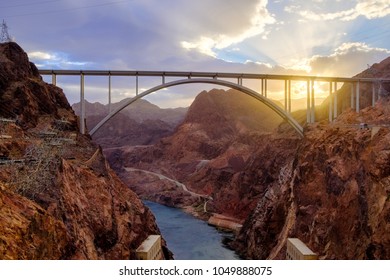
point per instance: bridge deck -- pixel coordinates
(222, 75)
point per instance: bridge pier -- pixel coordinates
(136, 85)
(358, 97)
(82, 105)
(54, 79)
(287, 96)
(352, 95)
(109, 93)
(330, 101)
(310, 107)
(333, 102)
(335, 106)
(308, 101)
(312, 101)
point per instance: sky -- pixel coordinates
(318, 37)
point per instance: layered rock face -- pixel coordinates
(59, 199)
(336, 196)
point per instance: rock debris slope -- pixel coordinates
(59, 199)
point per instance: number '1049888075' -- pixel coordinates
(232, 270)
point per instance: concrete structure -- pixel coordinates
(297, 250)
(222, 79)
(150, 249)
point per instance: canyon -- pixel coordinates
(64, 195)
(239, 162)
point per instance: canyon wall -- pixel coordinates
(59, 199)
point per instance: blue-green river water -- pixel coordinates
(190, 238)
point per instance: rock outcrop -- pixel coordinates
(336, 196)
(59, 199)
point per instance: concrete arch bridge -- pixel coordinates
(224, 79)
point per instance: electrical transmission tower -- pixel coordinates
(4, 33)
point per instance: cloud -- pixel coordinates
(39, 55)
(252, 36)
(209, 45)
(55, 60)
(369, 9)
(347, 60)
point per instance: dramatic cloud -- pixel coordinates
(347, 60)
(321, 37)
(258, 21)
(370, 9)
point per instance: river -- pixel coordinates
(189, 238)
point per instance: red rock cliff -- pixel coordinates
(336, 198)
(59, 199)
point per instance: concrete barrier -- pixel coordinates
(150, 249)
(297, 250)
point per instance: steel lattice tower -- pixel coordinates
(4, 33)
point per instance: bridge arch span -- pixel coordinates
(286, 116)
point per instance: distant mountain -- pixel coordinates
(141, 123)
(140, 111)
(216, 118)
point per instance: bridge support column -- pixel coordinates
(373, 94)
(310, 113)
(262, 87)
(335, 104)
(109, 93)
(352, 96)
(330, 102)
(308, 104)
(136, 85)
(358, 97)
(289, 96)
(54, 79)
(82, 105)
(265, 88)
(285, 95)
(312, 107)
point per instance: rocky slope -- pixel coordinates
(59, 199)
(336, 196)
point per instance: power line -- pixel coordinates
(68, 9)
(28, 4)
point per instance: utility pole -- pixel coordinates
(4, 38)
